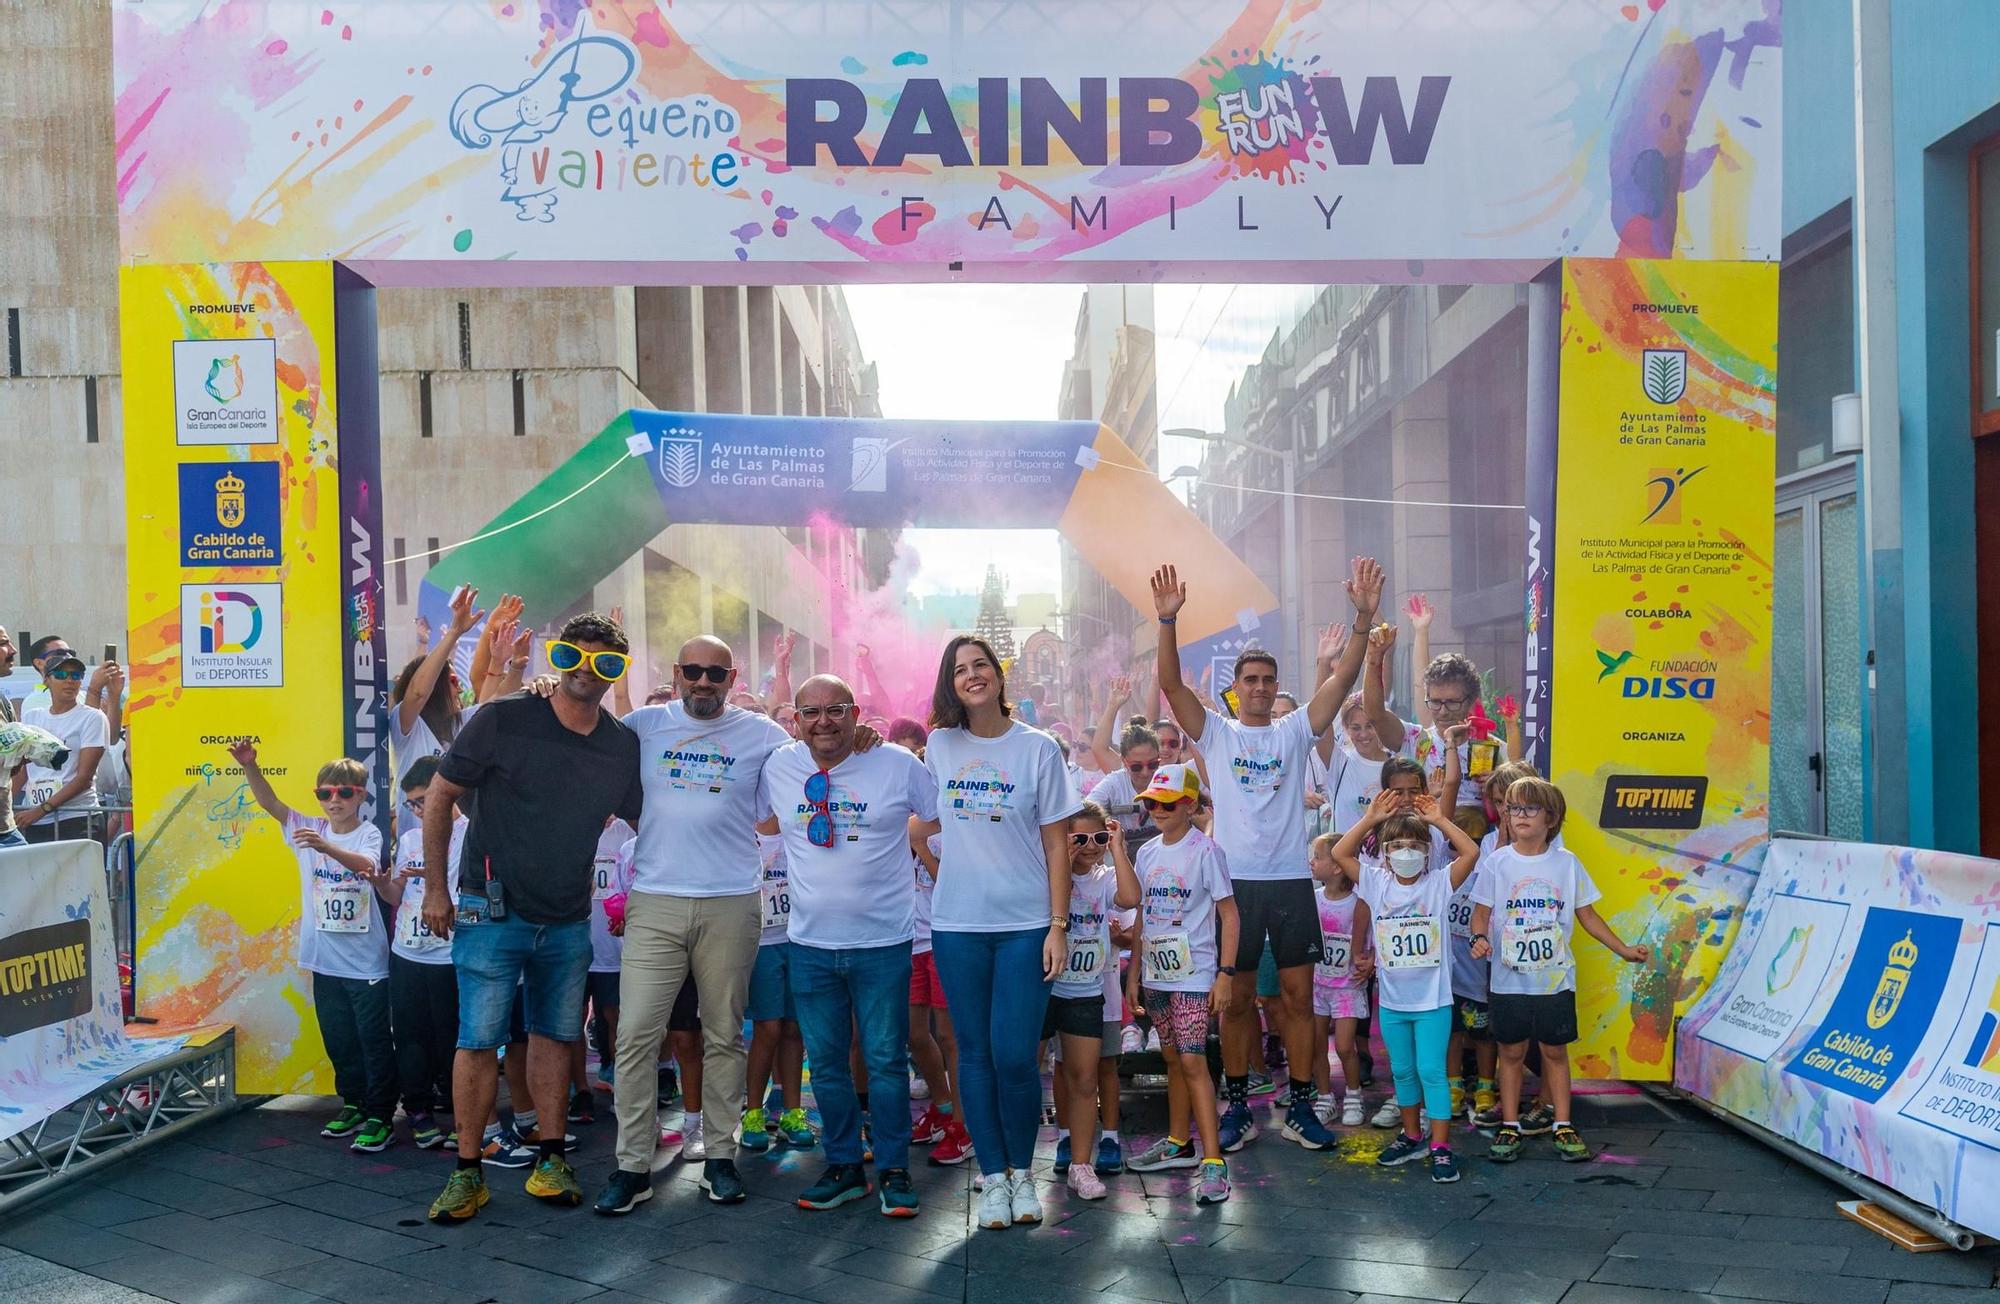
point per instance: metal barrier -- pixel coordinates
(111, 828)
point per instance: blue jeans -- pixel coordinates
(771, 985)
(840, 995)
(1416, 1041)
(494, 956)
(12, 838)
(994, 986)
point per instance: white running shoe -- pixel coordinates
(1323, 1110)
(1351, 1114)
(1131, 1041)
(919, 1089)
(1152, 1039)
(1027, 1205)
(996, 1205)
(694, 1150)
(1390, 1115)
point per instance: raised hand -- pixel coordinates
(1121, 687)
(1507, 708)
(1426, 808)
(1420, 611)
(463, 614)
(423, 634)
(1364, 587)
(1169, 594)
(1380, 640)
(1386, 803)
(243, 752)
(1332, 640)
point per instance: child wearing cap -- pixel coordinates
(1187, 957)
(343, 942)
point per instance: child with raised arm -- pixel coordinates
(1404, 895)
(1529, 895)
(343, 942)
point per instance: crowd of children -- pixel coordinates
(1446, 905)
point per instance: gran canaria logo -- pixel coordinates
(225, 378)
(229, 503)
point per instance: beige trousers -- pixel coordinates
(666, 939)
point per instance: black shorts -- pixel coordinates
(686, 1014)
(601, 989)
(1548, 1020)
(1285, 909)
(1074, 1016)
(1473, 1018)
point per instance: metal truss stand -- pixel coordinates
(147, 1105)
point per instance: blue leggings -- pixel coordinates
(993, 985)
(1416, 1041)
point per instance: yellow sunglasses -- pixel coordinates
(608, 666)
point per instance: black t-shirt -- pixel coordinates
(537, 798)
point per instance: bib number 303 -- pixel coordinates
(1408, 942)
(1167, 958)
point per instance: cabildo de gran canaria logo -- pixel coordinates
(1885, 1004)
(1895, 980)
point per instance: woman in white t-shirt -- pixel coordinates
(1000, 916)
(56, 803)
(1405, 896)
(424, 713)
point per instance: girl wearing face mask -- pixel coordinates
(1404, 900)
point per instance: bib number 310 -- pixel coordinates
(1408, 942)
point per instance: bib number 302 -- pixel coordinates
(1167, 958)
(1408, 942)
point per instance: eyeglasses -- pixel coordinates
(1446, 703)
(346, 792)
(837, 712)
(415, 803)
(714, 674)
(1101, 838)
(66, 674)
(819, 794)
(1523, 811)
(608, 666)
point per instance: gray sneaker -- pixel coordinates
(1538, 1119)
(1163, 1155)
(1213, 1186)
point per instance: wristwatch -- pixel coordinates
(1228, 969)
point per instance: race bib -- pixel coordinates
(36, 794)
(1408, 942)
(600, 879)
(341, 907)
(1458, 916)
(1167, 958)
(777, 904)
(1533, 947)
(1336, 957)
(411, 930)
(1086, 959)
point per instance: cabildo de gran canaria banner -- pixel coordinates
(1413, 139)
(1661, 603)
(1859, 1015)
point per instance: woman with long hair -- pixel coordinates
(1000, 916)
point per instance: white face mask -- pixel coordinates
(1407, 862)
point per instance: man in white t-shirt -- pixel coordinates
(1258, 766)
(845, 818)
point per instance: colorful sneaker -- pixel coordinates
(344, 1124)
(1570, 1146)
(796, 1130)
(582, 1108)
(624, 1192)
(1062, 1155)
(507, 1151)
(754, 1138)
(956, 1146)
(1485, 1100)
(835, 1187)
(554, 1181)
(1163, 1155)
(928, 1130)
(1402, 1150)
(372, 1136)
(607, 1077)
(1026, 1203)
(451, 1141)
(1084, 1183)
(899, 1193)
(1110, 1160)
(1212, 1187)
(1538, 1119)
(1457, 1098)
(1237, 1128)
(1261, 1084)
(1506, 1147)
(1444, 1168)
(1304, 1126)
(1485, 1117)
(1390, 1115)
(996, 1204)
(919, 1089)
(671, 1138)
(425, 1132)
(464, 1195)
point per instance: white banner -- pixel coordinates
(946, 138)
(1858, 1014)
(62, 1026)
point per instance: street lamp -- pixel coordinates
(1288, 545)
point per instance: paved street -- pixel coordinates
(259, 1209)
